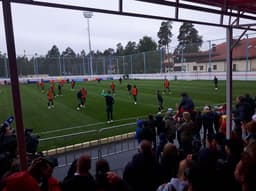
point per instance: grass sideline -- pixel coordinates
(65, 119)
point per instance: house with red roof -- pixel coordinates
(244, 58)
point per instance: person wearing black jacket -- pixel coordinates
(109, 105)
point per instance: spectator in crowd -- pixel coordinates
(241, 114)
(149, 130)
(82, 179)
(21, 181)
(8, 150)
(49, 183)
(186, 104)
(169, 162)
(71, 170)
(216, 144)
(142, 172)
(251, 102)
(207, 169)
(107, 180)
(207, 120)
(160, 145)
(160, 123)
(102, 167)
(180, 183)
(250, 131)
(170, 125)
(187, 131)
(140, 124)
(226, 168)
(38, 177)
(245, 171)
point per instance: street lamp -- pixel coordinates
(88, 15)
(5, 65)
(35, 65)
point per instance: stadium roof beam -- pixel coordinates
(177, 5)
(233, 9)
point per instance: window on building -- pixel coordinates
(214, 67)
(201, 67)
(234, 67)
(177, 68)
(194, 68)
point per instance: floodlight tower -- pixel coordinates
(88, 15)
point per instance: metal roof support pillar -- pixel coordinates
(14, 82)
(229, 81)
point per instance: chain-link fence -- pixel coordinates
(210, 58)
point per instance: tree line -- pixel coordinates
(189, 42)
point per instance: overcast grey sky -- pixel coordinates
(37, 29)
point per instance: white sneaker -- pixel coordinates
(49, 107)
(77, 108)
(135, 103)
(108, 122)
(112, 121)
(52, 106)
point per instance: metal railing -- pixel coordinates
(98, 145)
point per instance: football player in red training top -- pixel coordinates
(167, 86)
(134, 93)
(50, 99)
(113, 87)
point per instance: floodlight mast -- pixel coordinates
(88, 15)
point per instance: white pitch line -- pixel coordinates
(80, 126)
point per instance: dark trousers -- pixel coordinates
(50, 102)
(135, 98)
(109, 112)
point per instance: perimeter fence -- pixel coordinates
(210, 58)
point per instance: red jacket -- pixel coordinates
(50, 95)
(54, 184)
(134, 91)
(166, 83)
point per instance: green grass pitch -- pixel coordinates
(65, 119)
